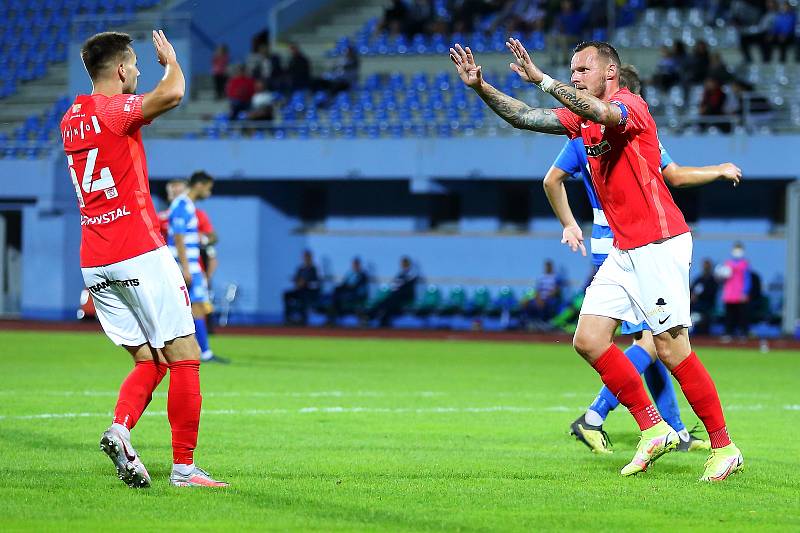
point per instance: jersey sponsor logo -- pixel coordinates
(103, 285)
(105, 218)
(596, 150)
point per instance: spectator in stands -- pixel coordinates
(344, 73)
(419, 13)
(350, 294)
(519, 16)
(717, 69)
(704, 298)
(712, 107)
(751, 107)
(262, 108)
(752, 21)
(736, 292)
(264, 66)
(547, 302)
(305, 293)
(394, 16)
(240, 90)
(298, 71)
(219, 70)
(666, 74)
(782, 33)
(697, 64)
(401, 294)
(569, 26)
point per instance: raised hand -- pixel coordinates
(469, 72)
(524, 66)
(164, 50)
(731, 172)
(573, 237)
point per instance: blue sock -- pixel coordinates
(660, 385)
(201, 332)
(606, 401)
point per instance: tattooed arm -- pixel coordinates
(581, 103)
(516, 113)
(585, 105)
(519, 114)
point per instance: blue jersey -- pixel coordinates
(183, 221)
(572, 160)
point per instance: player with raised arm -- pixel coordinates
(572, 161)
(139, 293)
(646, 275)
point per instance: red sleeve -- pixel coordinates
(570, 121)
(634, 112)
(123, 113)
(203, 222)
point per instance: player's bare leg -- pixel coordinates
(675, 351)
(183, 410)
(135, 395)
(594, 342)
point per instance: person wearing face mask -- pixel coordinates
(735, 292)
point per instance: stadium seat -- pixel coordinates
(429, 302)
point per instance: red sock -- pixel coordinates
(137, 391)
(623, 380)
(702, 395)
(183, 409)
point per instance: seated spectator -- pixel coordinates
(569, 27)
(666, 74)
(262, 108)
(519, 15)
(712, 107)
(396, 14)
(240, 91)
(351, 294)
(703, 292)
(781, 35)
(717, 69)
(298, 71)
(305, 293)
(344, 73)
(265, 66)
(752, 22)
(751, 107)
(401, 294)
(697, 64)
(547, 302)
(736, 292)
(419, 13)
(219, 70)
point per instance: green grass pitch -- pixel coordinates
(382, 435)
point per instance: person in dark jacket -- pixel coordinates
(305, 293)
(704, 292)
(402, 293)
(350, 294)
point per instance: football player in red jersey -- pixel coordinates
(139, 293)
(646, 275)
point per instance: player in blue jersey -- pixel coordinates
(572, 161)
(184, 241)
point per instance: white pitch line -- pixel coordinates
(366, 410)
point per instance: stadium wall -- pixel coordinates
(261, 234)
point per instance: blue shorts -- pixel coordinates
(198, 292)
(629, 328)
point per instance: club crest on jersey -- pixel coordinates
(596, 150)
(111, 192)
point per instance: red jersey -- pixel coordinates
(625, 163)
(107, 164)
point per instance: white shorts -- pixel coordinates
(646, 284)
(141, 300)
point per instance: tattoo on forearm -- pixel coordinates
(521, 115)
(581, 104)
